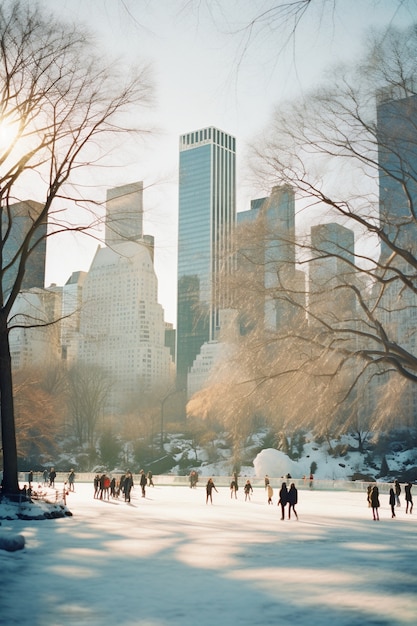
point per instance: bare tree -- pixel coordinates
(38, 415)
(60, 105)
(87, 395)
(340, 352)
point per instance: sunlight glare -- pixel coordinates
(8, 134)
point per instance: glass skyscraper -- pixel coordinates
(397, 159)
(207, 215)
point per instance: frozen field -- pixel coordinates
(170, 559)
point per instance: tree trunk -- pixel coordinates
(8, 431)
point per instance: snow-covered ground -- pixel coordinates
(170, 559)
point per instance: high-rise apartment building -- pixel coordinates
(330, 273)
(207, 215)
(124, 214)
(266, 252)
(397, 160)
(121, 326)
(34, 339)
(16, 225)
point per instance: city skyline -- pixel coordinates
(203, 77)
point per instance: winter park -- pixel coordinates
(208, 304)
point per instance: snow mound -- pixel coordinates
(11, 543)
(276, 463)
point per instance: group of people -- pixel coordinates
(106, 487)
(286, 496)
(394, 499)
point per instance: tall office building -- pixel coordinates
(331, 273)
(397, 160)
(267, 254)
(124, 214)
(16, 225)
(121, 326)
(207, 215)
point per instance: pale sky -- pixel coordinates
(204, 75)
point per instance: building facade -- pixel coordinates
(124, 214)
(16, 224)
(121, 324)
(331, 274)
(207, 215)
(397, 160)
(122, 329)
(266, 255)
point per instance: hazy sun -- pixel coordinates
(8, 133)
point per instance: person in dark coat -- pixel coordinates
(52, 476)
(150, 479)
(96, 483)
(143, 482)
(127, 485)
(30, 478)
(292, 500)
(248, 489)
(71, 480)
(408, 497)
(283, 499)
(374, 497)
(209, 490)
(233, 489)
(392, 501)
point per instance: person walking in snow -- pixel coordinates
(52, 476)
(233, 489)
(292, 500)
(143, 482)
(392, 501)
(150, 479)
(71, 480)
(368, 495)
(270, 493)
(397, 488)
(96, 483)
(408, 497)
(127, 485)
(209, 490)
(374, 497)
(283, 499)
(248, 490)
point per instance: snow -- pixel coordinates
(170, 559)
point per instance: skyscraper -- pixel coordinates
(207, 215)
(397, 161)
(124, 213)
(16, 224)
(331, 297)
(267, 254)
(121, 325)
